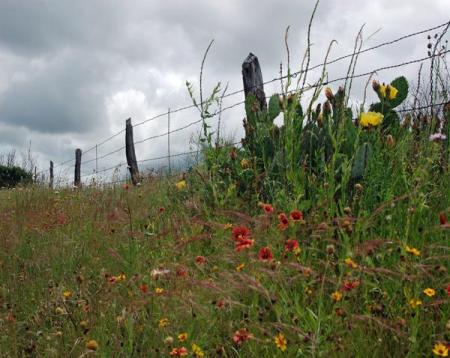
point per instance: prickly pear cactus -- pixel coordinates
(391, 96)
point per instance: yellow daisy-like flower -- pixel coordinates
(182, 337)
(240, 267)
(414, 303)
(350, 263)
(227, 226)
(370, 119)
(336, 296)
(163, 322)
(181, 185)
(245, 163)
(412, 251)
(391, 90)
(159, 290)
(197, 351)
(121, 277)
(281, 342)
(67, 294)
(429, 292)
(440, 350)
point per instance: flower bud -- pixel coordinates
(376, 85)
(326, 107)
(329, 93)
(359, 187)
(390, 141)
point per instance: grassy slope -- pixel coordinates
(75, 241)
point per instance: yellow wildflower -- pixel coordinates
(240, 267)
(414, 303)
(350, 263)
(182, 337)
(245, 163)
(440, 350)
(412, 251)
(197, 351)
(227, 226)
(181, 185)
(280, 341)
(336, 296)
(60, 310)
(67, 294)
(391, 90)
(159, 290)
(92, 345)
(163, 322)
(121, 277)
(371, 119)
(429, 292)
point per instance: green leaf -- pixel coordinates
(401, 84)
(274, 107)
(362, 157)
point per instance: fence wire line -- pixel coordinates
(119, 165)
(278, 79)
(309, 87)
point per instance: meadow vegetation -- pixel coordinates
(325, 237)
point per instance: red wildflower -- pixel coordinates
(296, 215)
(179, 352)
(126, 187)
(182, 272)
(443, 221)
(240, 232)
(291, 245)
(448, 290)
(350, 285)
(284, 222)
(220, 304)
(243, 243)
(200, 260)
(241, 336)
(61, 219)
(143, 288)
(265, 254)
(161, 209)
(268, 209)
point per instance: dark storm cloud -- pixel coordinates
(72, 71)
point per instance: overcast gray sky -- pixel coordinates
(71, 72)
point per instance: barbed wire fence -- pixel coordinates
(65, 167)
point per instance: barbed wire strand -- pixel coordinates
(386, 43)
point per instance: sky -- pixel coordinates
(72, 72)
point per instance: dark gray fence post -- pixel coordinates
(77, 181)
(130, 152)
(253, 80)
(51, 175)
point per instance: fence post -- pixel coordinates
(77, 181)
(253, 80)
(130, 152)
(51, 175)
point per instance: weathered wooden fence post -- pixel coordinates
(253, 80)
(130, 153)
(77, 181)
(51, 175)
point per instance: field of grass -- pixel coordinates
(162, 270)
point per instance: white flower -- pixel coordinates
(159, 272)
(438, 137)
